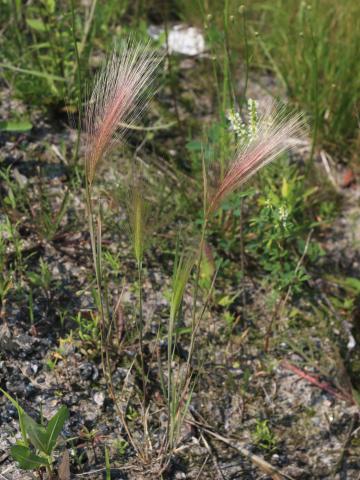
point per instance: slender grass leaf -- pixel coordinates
(15, 126)
(55, 426)
(107, 464)
(60, 214)
(35, 73)
(27, 459)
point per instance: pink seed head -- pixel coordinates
(118, 96)
(277, 132)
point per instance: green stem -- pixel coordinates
(246, 43)
(96, 252)
(194, 325)
(140, 328)
(78, 78)
(315, 87)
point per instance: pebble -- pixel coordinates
(275, 459)
(34, 367)
(99, 398)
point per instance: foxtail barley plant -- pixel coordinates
(267, 136)
(119, 95)
(117, 99)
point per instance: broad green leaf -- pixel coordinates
(36, 24)
(54, 427)
(21, 414)
(36, 433)
(27, 460)
(15, 126)
(353, 283)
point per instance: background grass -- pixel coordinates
(310, 47)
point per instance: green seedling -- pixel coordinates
(43, 279)
(88, 328)
(49, 220)
(35, 449)
(264, 437)
(132, 414)
(121, 445)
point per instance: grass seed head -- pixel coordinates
(119, 96)
(277, 132)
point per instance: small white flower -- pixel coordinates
(245, 131)
(283, 215)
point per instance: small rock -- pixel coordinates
(86, 370)
(181, 39)
(34, 368)
(275, 459)
(99, 398)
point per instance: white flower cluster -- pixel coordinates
(245, 131)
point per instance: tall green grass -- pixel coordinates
(313, 49)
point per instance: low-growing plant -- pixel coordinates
(264, 437)
(35, 450)
(277, 232)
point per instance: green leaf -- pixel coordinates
(15, 126)
(27, 460)
(55, 426)
(36, 433)
(36, 24)
(353, 283)
(36, 73)
(50, 5)
(21, 414)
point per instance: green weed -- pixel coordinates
(35, 450)
(264, 437)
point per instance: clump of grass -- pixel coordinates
(117, 99)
